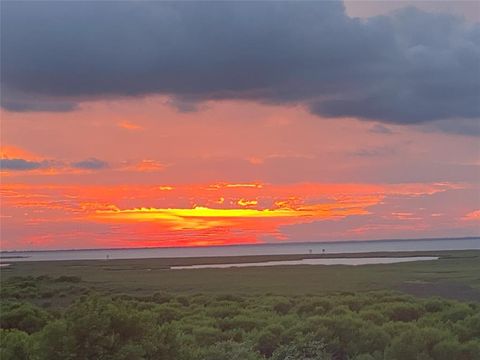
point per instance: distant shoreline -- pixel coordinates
(291, 243)
(166, 262)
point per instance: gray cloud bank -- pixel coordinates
(20, 164)
(406, 68)
(17, 164)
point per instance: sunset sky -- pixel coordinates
(127, 124)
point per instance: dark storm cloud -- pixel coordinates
(90, 164)
(460, 126)
(409, 67)
(21, 102)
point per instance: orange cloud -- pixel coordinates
(129, 126)
(405, 216)
(472, 216)
(13, 152)
(149, 165)
(248, 217)
(246, 185)
(193, 214)
(243, 202)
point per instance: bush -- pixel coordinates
(69, 279)
(371, 339)
(165, 314)
(55, 342)
(313, 350)
(183, 300)
(24, 316)
(404, 312)
(104, 329)
(223, 310)
(282, 307)
(205, 336)
(161, 297)
(374, 326)
(14, 345)
(435, 305)
(373, 316)
(243, 322)
(457, 313)
(447, 349)
(269, 340)
(418, 343)
(231, 351)
(469, 328)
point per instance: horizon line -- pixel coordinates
(251, 244)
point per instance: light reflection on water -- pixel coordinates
(339, 261)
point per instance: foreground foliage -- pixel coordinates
(362, 326)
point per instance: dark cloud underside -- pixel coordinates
(408, 67)
(19, 164)
(90, 164)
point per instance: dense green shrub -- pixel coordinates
(243, 322)
(229, 351)
(165, 313)
(457, 312)
(436, 305)
(404, 312)
(224, 309)
(70, 279)
(282, 307)
(14, 345)
(417, 343)
(373, 316)
(206, 336)
(312, 350)
(367, 326)
(23, 316)
(269, 340)
(468, 328)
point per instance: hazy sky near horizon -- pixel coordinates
(180, 123)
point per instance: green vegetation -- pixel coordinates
(373, 325)
(141, 310)
(454, 275)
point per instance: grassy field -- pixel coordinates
(455, 275)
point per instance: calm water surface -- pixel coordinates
(244, 250)
(354, 262)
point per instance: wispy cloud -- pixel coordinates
(380, 129)
(127, 125)
(472, 216)
(375, 151)
(14, 160)
(90, 164)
